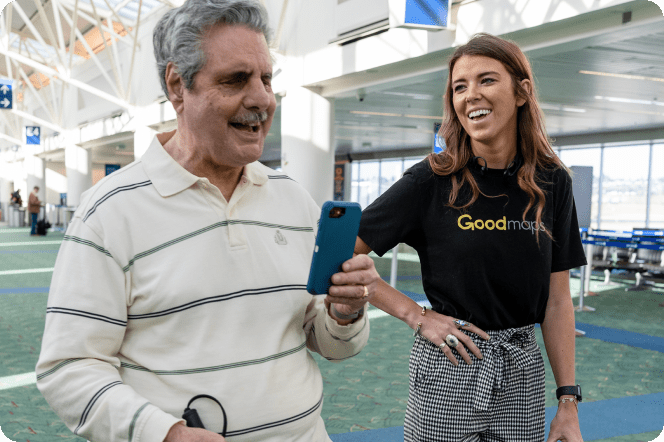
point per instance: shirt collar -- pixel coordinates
(169, 177)
(255, 173)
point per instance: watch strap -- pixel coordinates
(574, 390)
(341, 316)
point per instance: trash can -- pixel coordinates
(19, 217)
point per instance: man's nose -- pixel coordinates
(257, 96)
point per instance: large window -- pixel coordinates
(587, 157)
(625, 187)
(621, 182)
(372, 178)
(657, 188)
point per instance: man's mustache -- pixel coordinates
(249, 117)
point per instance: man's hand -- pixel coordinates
(181, 433)
(348, 290)
(565, 425)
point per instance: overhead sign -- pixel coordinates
(438, 142)
(110, 168)
(32, 135)
(6, 93)
(420, 14)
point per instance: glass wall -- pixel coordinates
(628, 182)
(656, 218)
(371, 178)
(628, 186)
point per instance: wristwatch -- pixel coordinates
(347, 317)
(574, 390)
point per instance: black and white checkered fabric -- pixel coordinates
(498, 398)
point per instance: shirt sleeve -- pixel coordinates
(394, 217)
(326, 337)
(86, 319)
(567, 249)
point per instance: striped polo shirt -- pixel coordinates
(163, 290)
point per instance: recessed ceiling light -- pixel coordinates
(560, 107)
(385, 114)
(629, 100)
(627, 76)
(411, 95)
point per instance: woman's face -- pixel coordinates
(485, 102)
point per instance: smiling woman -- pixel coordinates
(493, 221)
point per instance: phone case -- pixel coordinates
(335, 244)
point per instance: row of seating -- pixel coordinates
(638, 252)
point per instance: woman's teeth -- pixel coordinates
(478, 113)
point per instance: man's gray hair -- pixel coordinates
(178, 36)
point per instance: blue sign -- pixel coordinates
(438, 142)
(427, 12)
(32, 135)
(6, 93)
(110, 168)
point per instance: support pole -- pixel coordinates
(395, 266)
(585, 274)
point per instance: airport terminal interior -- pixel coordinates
(359, 87)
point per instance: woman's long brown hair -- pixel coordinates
(532, 140)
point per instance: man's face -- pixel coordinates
(228, 112)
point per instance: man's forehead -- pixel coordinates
(236, 42)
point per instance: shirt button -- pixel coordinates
(244, 180)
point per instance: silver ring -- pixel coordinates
(442, 346)
(461, 323)
(452, 340)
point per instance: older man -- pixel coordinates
(184, 273)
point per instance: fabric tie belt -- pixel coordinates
(491, 374)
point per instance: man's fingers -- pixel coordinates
(358, 262)
(349, 292)
(356, 277)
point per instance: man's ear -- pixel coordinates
(175, 86)
(528, 87)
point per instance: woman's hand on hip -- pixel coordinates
(444, 331)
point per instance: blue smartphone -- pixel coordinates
(335, 243)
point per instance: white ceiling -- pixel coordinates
(573, 103)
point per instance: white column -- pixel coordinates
(35, 170)
(5, 188)
(143, 136)
(79, 173)
(307, 141)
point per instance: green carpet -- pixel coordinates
(368, 391)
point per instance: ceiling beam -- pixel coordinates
(66, 78)
(38, 120)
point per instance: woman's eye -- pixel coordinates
(458, 88)
(488, 80)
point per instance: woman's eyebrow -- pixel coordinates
(483, 74)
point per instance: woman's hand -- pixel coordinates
(354, 286)
(565, 425)
(437, 328)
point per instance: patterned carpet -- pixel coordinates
(366, 392)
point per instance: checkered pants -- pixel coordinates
(498, 398)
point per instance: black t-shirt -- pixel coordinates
(483, 264)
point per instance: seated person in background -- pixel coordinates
(16, 198)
